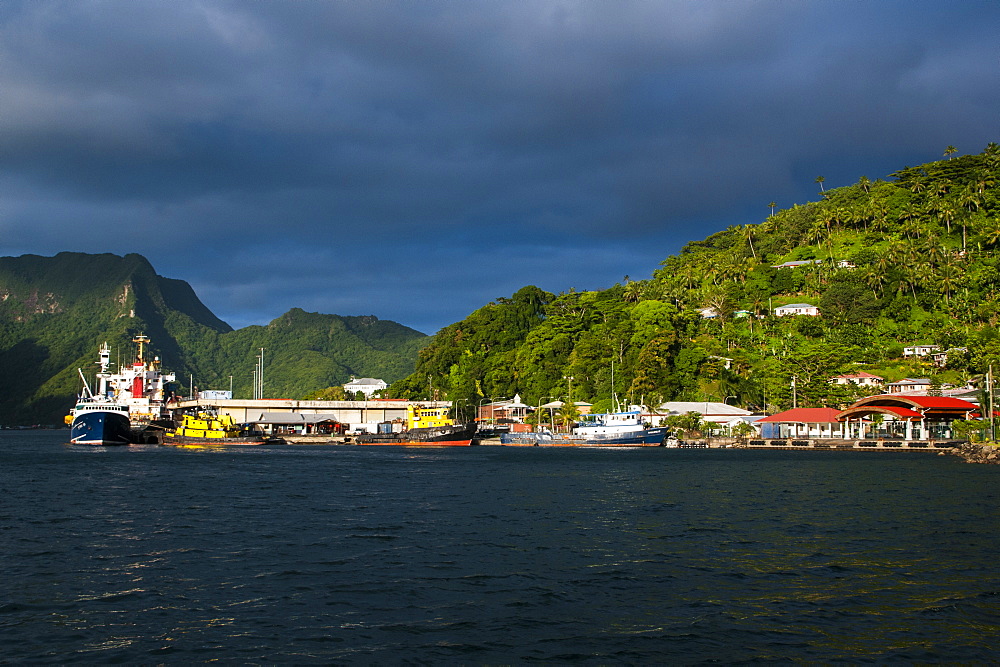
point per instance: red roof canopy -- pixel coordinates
(863, 410)
(942, 402)
(805, 416)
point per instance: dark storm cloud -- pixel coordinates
(416, 159)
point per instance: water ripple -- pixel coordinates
(309, 555)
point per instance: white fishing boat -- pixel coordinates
(613, 429)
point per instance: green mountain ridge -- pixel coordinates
(56, 311)
(913, 258)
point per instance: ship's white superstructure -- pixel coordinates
(141, 385)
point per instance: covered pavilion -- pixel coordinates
(905, 417)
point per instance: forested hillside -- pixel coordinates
(56, 311)
(911, 258)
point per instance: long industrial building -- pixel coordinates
(355, 415)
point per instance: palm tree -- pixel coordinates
(948, 152)
(821, 180)
(983, 181)
(689, 276)
(949, 280)
(908, 218)
(933, 251)
(946, 213)
(748, 234)
(865, 184)
(633, 292)
(772, 205)
(992, 234)
(970, 199)
(818, 231)
(874, 278)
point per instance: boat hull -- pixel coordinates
(440, 436)
(652, 437)
(100, 429)
(188, 441)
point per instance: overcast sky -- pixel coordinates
(415, 160)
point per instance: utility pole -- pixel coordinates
(258, 377)
(794, 396)
(989, 388)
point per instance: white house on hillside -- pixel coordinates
(797, 309)
(367, 386)
(908, 385)
(861, 379)
(920, 350)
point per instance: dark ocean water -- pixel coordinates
(314, 554)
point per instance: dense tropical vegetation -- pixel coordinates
(910, 259)
(56, 311)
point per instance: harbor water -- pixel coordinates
(346, 555)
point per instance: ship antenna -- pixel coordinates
(105, 358)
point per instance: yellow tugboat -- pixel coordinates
(209, 428)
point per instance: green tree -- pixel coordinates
(329, 394)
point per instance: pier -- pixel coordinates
(880, 444)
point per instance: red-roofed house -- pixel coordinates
(861, 379)
(803, 423)
(905, 417)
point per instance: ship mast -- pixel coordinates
(104, 362)
(140, 340)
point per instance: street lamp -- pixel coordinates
(538, 412)
(552, 418)
(492, 406)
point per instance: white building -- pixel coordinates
(367, 386)
(920, 350)
(908, 385)
(861, 379)
(720, 413)
(797, 309)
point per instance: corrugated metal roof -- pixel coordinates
(294, 418)
(701, 407)
(364, 381)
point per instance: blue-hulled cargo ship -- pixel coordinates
(126, 404)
